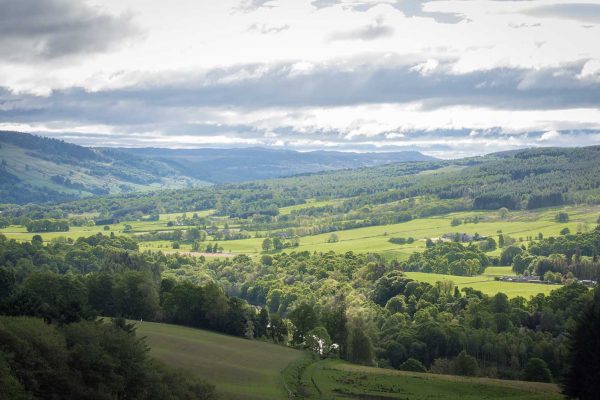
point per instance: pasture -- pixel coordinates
(486, 284)
(240, 368)
(331, 379)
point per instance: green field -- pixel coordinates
(486, 284)
(245, 369)
(240, 368)
(519, 224)
(331, 379)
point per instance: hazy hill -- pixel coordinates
(237, 165)
(39, 169)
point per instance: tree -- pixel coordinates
(267, 245)
(429, 243)
(333, 238)
(413, 365)
(561, 217)
(319, 342)
(582, 379)
(465, 364)
(360, 347)
(509, 253)
(503, 212)
(304, 319)
(261, 324)
(536, 370)
(565, 231)
(277, 330)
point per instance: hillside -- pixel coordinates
(248, 164)
(40, 170)
(236, 366)
(239, 370)
(49, 170)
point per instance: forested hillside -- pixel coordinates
(526, 179)
(48, 170)
(247, 164)
(42, 170)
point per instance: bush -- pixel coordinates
(465, 364)
(537, 370)
(562, 217)
(413, 365)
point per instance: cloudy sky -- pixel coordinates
(449, 78)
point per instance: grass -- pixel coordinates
(519, 224)
(331, 379)
(240, 368)
(246, 369)
(486, 284)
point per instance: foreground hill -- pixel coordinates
(243, 369)
(44, 170)
(240, 368)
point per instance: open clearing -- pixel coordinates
(487, 284)
(240, 368)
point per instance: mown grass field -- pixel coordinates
(240, 368)
(487, 284)
(339, 380)
(245, 369)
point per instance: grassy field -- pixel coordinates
(519, 224)
(487, 284)
(245, 369)
(339, 380)
(240, 368)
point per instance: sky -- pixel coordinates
(448, 78)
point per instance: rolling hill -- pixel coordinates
(49, 170)
(239, 370)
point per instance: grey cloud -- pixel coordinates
(410, 8)
(49, 29)
(340, 84)
(267, 29)
(584, 12)
(251, 5)
(374, 31)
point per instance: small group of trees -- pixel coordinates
(48, 225)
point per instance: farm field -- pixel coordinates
(486, 284)
(519, 224)
(339, 380)
(237, 366)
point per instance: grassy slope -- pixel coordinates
(244, 369)
(338, 380)
(38, 172)
(240, 368)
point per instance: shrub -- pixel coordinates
(537, 370)
(413, 365)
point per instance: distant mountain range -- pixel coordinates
(39, 169)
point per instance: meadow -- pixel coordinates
(486, 284)
(330, 379)
(238, 367)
